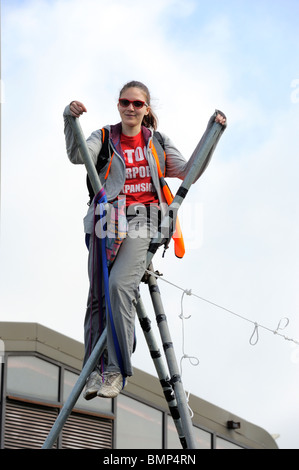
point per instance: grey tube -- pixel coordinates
(75, 393)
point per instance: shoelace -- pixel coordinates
(108, 377)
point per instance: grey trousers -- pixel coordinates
(124, 279)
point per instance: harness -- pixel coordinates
(158, 151)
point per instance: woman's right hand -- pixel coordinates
(77, 108)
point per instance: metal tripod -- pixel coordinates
(172, 386)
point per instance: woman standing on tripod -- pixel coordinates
(129, 171)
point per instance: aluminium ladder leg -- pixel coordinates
(163, 376)
(89, 367)
(169, 390)
(172, 362)
(76, 391)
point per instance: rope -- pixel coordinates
(254, 338)
(100, 199)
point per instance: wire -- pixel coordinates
(194, 361)
(254, 338)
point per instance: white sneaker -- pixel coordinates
(92, 386)
(112, 384)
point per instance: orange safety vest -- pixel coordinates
(179, 245)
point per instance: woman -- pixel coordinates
(131, 173)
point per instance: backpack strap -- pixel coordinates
(160, 148)
(103, 157)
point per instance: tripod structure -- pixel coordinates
(170, 378)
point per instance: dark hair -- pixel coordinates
(150, 120)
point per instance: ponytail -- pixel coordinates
(150, 120)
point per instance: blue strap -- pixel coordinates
(101, 199)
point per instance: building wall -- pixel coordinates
(41, 367)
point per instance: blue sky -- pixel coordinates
(240, 220)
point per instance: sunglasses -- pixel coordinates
(138, 104)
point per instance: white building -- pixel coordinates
(40, 368)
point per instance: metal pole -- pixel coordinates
(75, 393)
(172, 363)
(100, 346)
(156, 356)
(88, 161)
(200, 156)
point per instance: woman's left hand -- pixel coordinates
(220, 118)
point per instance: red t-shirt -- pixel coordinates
(138, 187)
